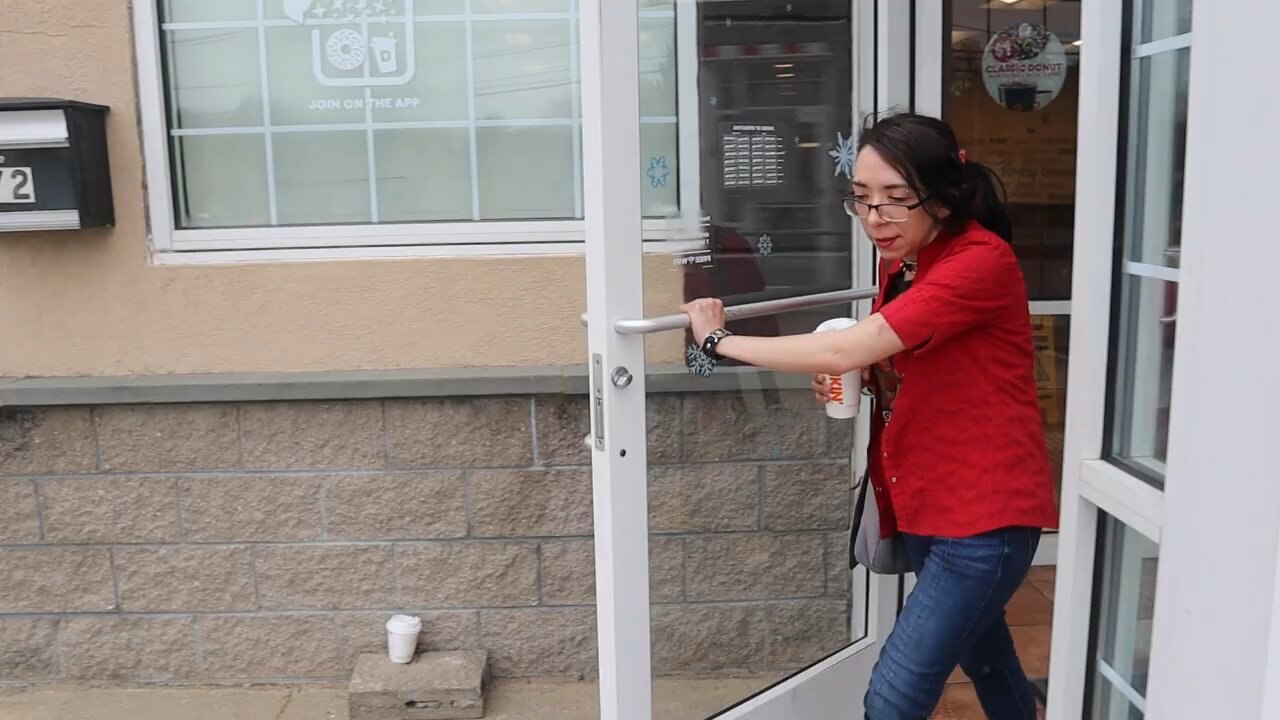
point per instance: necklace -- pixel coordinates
(910, 266)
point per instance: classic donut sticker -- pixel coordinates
(1024, 67)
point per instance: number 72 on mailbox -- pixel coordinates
(17, 185)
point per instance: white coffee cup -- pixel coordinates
(846, 389)
(402, 637)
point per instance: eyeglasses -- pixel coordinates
(889, 212)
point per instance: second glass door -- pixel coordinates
(747, 116)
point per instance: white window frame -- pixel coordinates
(170, 245)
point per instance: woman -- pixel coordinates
(958, 461)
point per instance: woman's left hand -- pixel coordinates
(705, 316)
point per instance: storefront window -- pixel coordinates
(1011, 91)
(316, 112)
(1124, 602)
(1150, 212)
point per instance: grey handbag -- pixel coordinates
(880, 556)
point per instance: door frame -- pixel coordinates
(610, 89)
(1090, 484)
(614, 251)
(1217, 518)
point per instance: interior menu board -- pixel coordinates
(754, 155)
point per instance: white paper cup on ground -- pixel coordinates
(846, 389)
(402, 637)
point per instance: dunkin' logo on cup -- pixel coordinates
(837, 389)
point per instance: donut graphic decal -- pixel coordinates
(358, 43)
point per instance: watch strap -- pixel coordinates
(711, 342)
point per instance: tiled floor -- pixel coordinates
(1030, 614)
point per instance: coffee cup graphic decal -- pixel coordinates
(358, 43)
(1024, 67)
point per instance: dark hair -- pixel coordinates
(925, 151)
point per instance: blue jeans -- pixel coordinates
(954, 616)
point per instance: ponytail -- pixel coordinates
(983, 194)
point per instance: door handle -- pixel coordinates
(646, 326)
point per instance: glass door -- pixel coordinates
(723, 502)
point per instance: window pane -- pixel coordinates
(659, 106)
(522, 70)
(1023, 127)
(186, 11)
(322, 177)
(526, 172)
(1154, 142)
(1144, 366)
(658, 143)
(440, 7)
(438, 90)
(657, 67)
(1124, 601)
(519, 6)
(1051, 335)
(214, 80)
(1156, 158)
(1159, 19)
(423, 174)
(222, 181)
(297, 97)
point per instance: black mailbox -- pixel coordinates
(53, 165)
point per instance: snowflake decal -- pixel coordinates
(715, 101)
(843, 156)
(658, 172)
(764, 245)
(728, 22)
(698, 362)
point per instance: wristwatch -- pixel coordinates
(713, 339)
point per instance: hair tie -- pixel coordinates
(962, 155)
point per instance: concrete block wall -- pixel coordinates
(269, 541)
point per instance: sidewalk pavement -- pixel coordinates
(509, 699)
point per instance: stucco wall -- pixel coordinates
(90, 303)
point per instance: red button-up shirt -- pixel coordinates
(963, 451)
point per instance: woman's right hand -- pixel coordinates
(821, 386)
